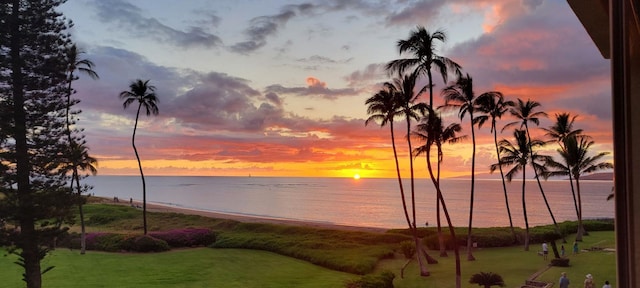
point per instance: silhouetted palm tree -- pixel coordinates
(524, 111)
(85, 66)
(562, 128)
(382, 107)
(494, 106)
(80, 161)
(460, 95)
(487, 279)
(411, 110)
(574, 154)
(421, 44)
(517, 155)
(144, 94)
(431, 131)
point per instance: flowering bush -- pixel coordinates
(189, 237)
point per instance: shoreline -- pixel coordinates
(167, 208)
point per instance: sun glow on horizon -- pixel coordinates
(356, 176)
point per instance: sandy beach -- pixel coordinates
(237, 217)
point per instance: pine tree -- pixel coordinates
(36, 197)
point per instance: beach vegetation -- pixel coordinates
(142, 92)
(408, 249)
(487, 279)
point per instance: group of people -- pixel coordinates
(588, 282)
(545, 250)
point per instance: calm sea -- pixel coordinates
(363, 202)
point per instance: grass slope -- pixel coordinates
(200, 267)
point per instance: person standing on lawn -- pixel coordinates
(564, 281)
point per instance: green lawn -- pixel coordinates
(230, 267)
(200, 267)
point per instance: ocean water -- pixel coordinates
(363, 202)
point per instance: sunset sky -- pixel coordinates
(277, 88)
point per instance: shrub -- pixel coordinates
(109, 242)
(560, 262)
(408, 249)
(186, 237)
(433, 243)
(147, 243)
(380, 280)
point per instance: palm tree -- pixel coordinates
(524, 112)
(460, 95)
(561, 129)
(144, 93)
(494, 105)
(487, 279)
(576, 149)
(85, 66)
(431, 130)
(79, 161)
(383, 107)
(405, 98)
(422, 47)
(516, 155)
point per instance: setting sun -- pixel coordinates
(356, 176)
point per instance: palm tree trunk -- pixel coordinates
(575, 203)
(430, 88)
(436, 183)
(414, 228)
(144, 188)
(524, 210)
(76, 176)
(544, 197)
(395, 156)
(580, 228)
(83, 234)
(441, 243)
(504, 185)
(473, 176)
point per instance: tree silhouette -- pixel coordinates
(85, 66)
(575, 155)
(144, 94)
(524, 111)
(561, 129)
(494, 105)
(432, 131)
(460, 95)
(517, 156)
(421, 44)
(382, 107)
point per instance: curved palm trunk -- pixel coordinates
(75, 177)
(414, 228)
(580, 227)
(83, 234)
(441, 243)
(524, 211)
(436, 183)
(504, 185)
(430, 88)
(144, 188)
(395, 156)
(473, 177)
(544, 197)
